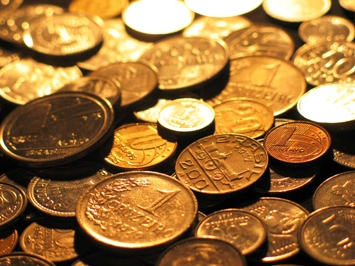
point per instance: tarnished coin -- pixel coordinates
(8, 240)
(275, 82)
(137, 211)
(260, 39)
(326, 28)
(56, 129)
(13, 202)
(337, 190)
(221, 164)
(283, 219)
(137, 80)
(201, 251)
(329, 105)
(326, 62)
(242, 229)
(103, 9)
(298, 143)
(64, 35)
(214, 27)
(25, 80)
(327, 234)
(186, 63)
(13, 26)
(296, 10)
(23, 258)
(139, 146)
(243, 116)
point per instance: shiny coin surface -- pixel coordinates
(103, 9)
(260, 39)
(8, 240)
(64, 35)
(283, 218)
(201, 251)
(275, 82)
(326, 235)
(243, 116)
(335, 191)
(221, 164)
(56, 129)
(347, 5)
(186, 116)
(138, 147)
(137, 211)
(137, 81)
(326, 62)
(242, 229)
(329, 105)
(326, 28)
(296, 10)
(23, 258)
(13, 202)
(214, 27)
(25, 80)
(297, 143)
(186, 63)
(224, 8)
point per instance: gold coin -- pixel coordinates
(138, 147)
(137, 211)
(348, 5)
(104, 9)
(243, 116)
(8, 240)
(296, 10)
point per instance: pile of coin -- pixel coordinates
(170, 132)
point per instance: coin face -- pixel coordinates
(297, 143)
(56, 129)
(221, 164)
(103, 9)
(326, 235)
(139, 147)
(137, 211)
(185, 63)
(8, 240)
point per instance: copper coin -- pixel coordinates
(23, 258)
(221, 164)
(56, 129)
(8, 7)
(298, 143)
(243, 116)
(103, 9)
(8, 240)
(326, 235)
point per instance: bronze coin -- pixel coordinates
(8, 240)
(297, 143)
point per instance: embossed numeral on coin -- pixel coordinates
(339, 231)
(7, 196)
(167, 195)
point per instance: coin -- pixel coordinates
(103, 9)
(139, 147)
(221, 164)
(56, 129)
(186, 63)
(18, 258)
(242, 229)
(25, 80)
(326, 62)
(137, 211)
(260, 39)
(275, 82)
(283, 218)
(8, 240)
(296, 10)
(201, 251)
(327, 233)
(298, 143)
(8, 56)
(348, 5)
(329, 105)
(243, 116)
(326, 28)
(7, 7)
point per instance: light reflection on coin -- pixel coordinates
(103, 9)
(347, 5)
(23, 258)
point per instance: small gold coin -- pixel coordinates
(104, 9)
(348, 5)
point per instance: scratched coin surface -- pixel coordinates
(56, 129)
(297, 143)
(283, 219)
(139, 146)
(185, 63)
(201, 251)
(326, 62)
(327, 235)
(221, 164)
(242, 229)
(260, 39)
(137, 210)
(243, 116)
(23, 258)
(275, 82)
